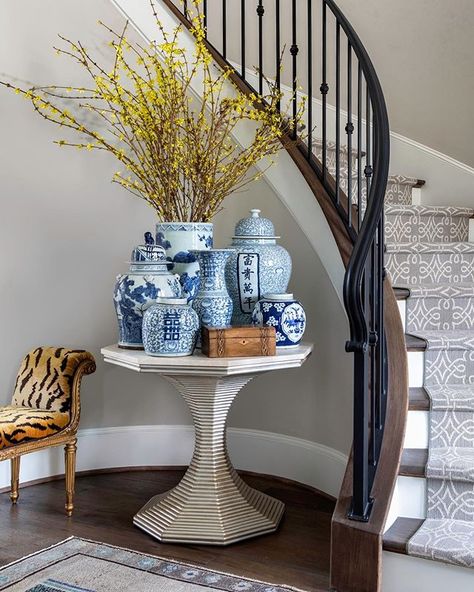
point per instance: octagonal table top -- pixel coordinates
(199, 364)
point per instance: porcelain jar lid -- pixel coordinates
(286, 297)
(254, 227)
(148, 254)
(173, 300)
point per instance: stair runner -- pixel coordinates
(429, 253)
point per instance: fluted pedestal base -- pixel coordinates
(211, 504)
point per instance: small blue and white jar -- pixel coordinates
(170, 328)
(284, 313)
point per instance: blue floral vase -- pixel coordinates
(179, 239)
(170, 328)
(135, 291)
(258, 266)
(284, 313)
(213, 303)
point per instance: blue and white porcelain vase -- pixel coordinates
(135, 291)
(179, 239)
(284, 313)
(258, 266)
(213, 303)
(170, 328)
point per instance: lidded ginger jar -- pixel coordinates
(258, 266)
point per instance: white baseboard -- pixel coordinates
(170, 445)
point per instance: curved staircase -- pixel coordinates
(429, 260)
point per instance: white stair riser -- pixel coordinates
(416, 368)
(471, 230)
(401, 228)
(417, 430)
(409, 499)
(416, 196)
(402, 308)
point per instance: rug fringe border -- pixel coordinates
(175, 561)
(39, 551)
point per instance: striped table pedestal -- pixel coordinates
(211, 504)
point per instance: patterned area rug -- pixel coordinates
(79, 565)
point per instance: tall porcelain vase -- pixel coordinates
(179, 239)
(213, 303)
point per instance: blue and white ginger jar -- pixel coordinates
(259, 266)
(170, 328)
(135, 291)
(179, 239)
(284, 313)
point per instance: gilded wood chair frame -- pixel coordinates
(67, 436)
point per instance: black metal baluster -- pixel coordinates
(242, 37)
(260, 13)
(349, 131)
(359, 144)
(294, 53)
(380, 386)
(360, 492)
(204, 11)
(373, 354)
(324, 88)
(310, 80)
(338, 111)
(185, 8)
(277, 50)
(368, 151)
(224, 28)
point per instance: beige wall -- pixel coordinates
(422, 51)
(66, 231)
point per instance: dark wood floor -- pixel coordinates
(297, 555)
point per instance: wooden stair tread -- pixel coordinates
(401, 293)
(397, 536)
(414, 343)
(418, 400)
(413, 463)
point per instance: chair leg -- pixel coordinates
(70, 462)
(15, 479)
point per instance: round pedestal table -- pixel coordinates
(211, 504)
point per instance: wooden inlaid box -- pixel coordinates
(236, 342)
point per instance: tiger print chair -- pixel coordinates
(45, 410)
